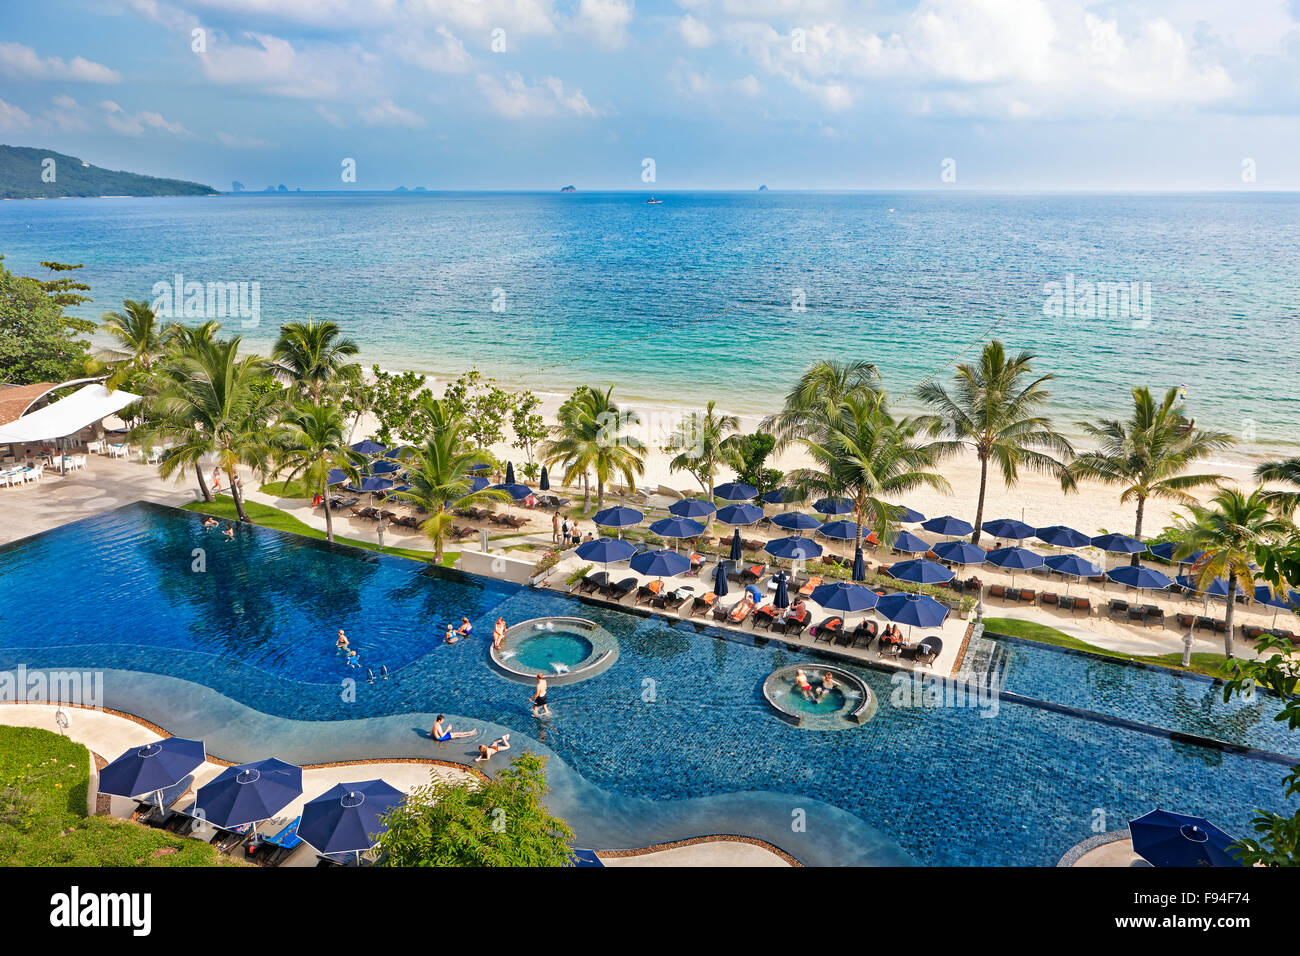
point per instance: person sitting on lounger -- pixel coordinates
(825, 687)
(794, 610)
(442, 733)
(801, 683)
(891, 635)
(465, 627)
(498, 745)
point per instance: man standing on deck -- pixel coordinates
(379, 529)
(555, 527)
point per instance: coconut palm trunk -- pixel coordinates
(1137, 525)
(237, 493)
(329, 512)
(979, 504)
(1228, 615)
(203, 482)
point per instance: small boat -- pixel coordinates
(654, 202)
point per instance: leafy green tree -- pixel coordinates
(749, 454)
(528, 427)
(820, 389)
(1148, 454)
(395, 401)
(314, 356)
(484, 405)
(38, 340)
(589, 437)
(66, 291)
(702, 444)
(994, 409)
(137, 330)
(1285, 471)
(498, 822)
(1230, 531)
(311, 442)
(862, 453)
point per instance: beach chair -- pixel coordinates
(1186, 622)
(1117, 609)
(226, 841)
(594, 581)
(864, 633)
(1152, 615)
(1083, 604)
(998, 591)
(753, 573)
(621, 589)
(1136, 614)
(927, 652)
(893, 647)
(797, 622)
(274, 850)
(827, 630)
(150, 815)
(843, 638)
(741, 610)
(765, 617)
(703, 602)
(648, 592)
(1204, 623)
(697, 562)
(1028, 596)
(671, 600)
(810, 585)
(1049, 599)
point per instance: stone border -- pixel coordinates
(695, 841)
(1076, 852)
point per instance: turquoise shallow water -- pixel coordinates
(603, 287)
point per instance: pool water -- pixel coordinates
(543, 651)
(832, 702)
(680, 716)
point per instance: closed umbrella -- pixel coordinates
(692, 508)
(859, 566)
(249, 793)
(510, 473)
(735, 491)
(948, 525)
(1062, 537)
(737, 547)
(1008, 528)
(720, 581)
(545, 483)
(1163, 838)
(845, 597)
(796, 521)
(921, 571)
(782, 597)
(153, 768)
(347, 817)
(739, 514)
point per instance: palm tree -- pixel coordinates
(137, 330)
(439, 473)
(1284, 470)
(1147, 454)
(589, 437)
(314, 355)
(862, 453)
(994, 409)
(1230, 532)
(216, 402)
(821, 388)
(702, 444)
(312, 442)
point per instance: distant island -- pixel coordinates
(569, 189)
(763, 188)
(27, 173)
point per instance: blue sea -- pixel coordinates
(728, 295)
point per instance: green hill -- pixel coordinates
(23, 175)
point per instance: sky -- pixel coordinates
(699, 94)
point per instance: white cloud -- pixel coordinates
(605, 21)
(275, 66)
(510, 96)
(20, 62)
(445, 55)
(388, 113)
(694, 33)
(235, 141)
(332, 118)
(748, 86)
(67, 115)
(13, 118)
(135, 124)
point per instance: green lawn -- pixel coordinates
(287, 489)
(1209, 664)
(270, 517)
(44, 779)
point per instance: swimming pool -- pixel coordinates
(678, 727)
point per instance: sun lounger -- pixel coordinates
(1117, 609)
(740, 610)
(827, 630)
(810, 585)
(227, 840)
(1049, 599)
(273, 850)
(593, 582)
(621, 589)
(765, 616)
(796, 623)
(1028, 596)
(927, 652)
(648, 592)
(703, 602)
(864, 633)
(148, 809)
(1082, 604)
(752, 573)
(671, 600)
(998, 591)
(892, 647)
(1186, 622)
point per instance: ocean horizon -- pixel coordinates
(728, 295)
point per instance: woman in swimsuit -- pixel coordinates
(498, 745)
(443, 734)
(465, 627)
(342, 642)
(801, 682)
(450, 637)
(499, 633)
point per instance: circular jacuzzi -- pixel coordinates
(565, 649)
(847, 703)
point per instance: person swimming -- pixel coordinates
(229, 531)
(801, 682)
(210, 522)
(825, 687)
(443, 733)
(342, 642)
(450, 637)
(485, 752)
(353, 660)
(466, 628)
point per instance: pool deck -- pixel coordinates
(107, 735)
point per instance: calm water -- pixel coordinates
(692, 299)
(945, 785)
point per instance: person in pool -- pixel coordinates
(801, 682)
(443, 732)
(498, 745)
(210, 522)
(342, 642)
(450, 637)
(539, 698)
(499, 633)
(353, 660)
(825, 687)
(229, 531)
(465, 629)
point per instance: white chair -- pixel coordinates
(79, 462)
(155, 453)
(34, 473)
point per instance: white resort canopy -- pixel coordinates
(67, 416)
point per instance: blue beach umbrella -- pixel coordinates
(833, 506)
(660, 564)
(1073, 566)
(692, 508)
(720, 580)
(1264, 594)
(335, 476)
(904, 515)
(779, 496)
(477, 483)
(516, 491)
(845, 597)
(781, 598)
(1139, 576)
(544, 484)
(1062, 537)
(384, 467)
(914, 610)
(910, 543)
(960, 552)
(920, 571)
(841, 530)
(480, 466)
(153, 768)
(796, 521)
(737, 546)
(1014, 559)
(371, 483)
(1175, 839)
(346, 817)
(249, 793)
(619, 516)
(793, 548)
(367, 447)
(947, 524)
(735, 491)
(739, 514)
(605, 550)
(1216, 588)
(1118, 544)
(677, 528)
(1166, 550)
(859, 565)
(1008, 528)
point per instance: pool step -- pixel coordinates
(985, 663)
